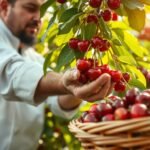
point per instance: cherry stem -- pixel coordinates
(77, 33)
(114, 58)
(99, 56)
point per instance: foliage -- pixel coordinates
(61, 22)
(56, 134)
(68, 20)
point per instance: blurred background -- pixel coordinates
(57, 19)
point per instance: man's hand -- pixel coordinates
(67, 84)
(90, 92)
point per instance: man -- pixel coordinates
(22, 81)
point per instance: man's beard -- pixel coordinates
(26, 39)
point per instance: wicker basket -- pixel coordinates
(133, 134)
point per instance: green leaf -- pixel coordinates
(144, 64)
(90, 30)
(129, 42)
(137, 83)
(66, 15)
(45, 6)
(137, 76)
(79, 54)
(105, 29)
(66, 56)
(127, 60)
(63, 38)
(66, 27)
(117, 42)
(120, 25)
(132, 42)
(51, 22)
(46, 63)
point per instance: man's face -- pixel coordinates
(23, 19)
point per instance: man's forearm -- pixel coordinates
(69, 102)
(49, 85)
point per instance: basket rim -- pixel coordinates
(119, 133)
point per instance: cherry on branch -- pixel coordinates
(113, 4)
(95, 3)
(61, 1)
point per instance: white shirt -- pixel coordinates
(21, 123)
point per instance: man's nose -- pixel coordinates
(37, 18)
(37, 21)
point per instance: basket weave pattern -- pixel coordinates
(113, 135)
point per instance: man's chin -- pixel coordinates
(27, 39)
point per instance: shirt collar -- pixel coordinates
(6, 33)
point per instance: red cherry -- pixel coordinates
(121, 113)
(113, 4)
(108, 117)
(144, 98)
(139, 110)
(105, 68)
(95, 3)
(148, 113)
(83, 65)
(118, 103)
(73, 43)
(106, 14)
(90, 117)
(125, 76)
(105, 46)
(131, 95)
(83, 79)
(61, 1)
(120, 86)
(113, 98)
(104, 108)
(94, 63)
(91, 18)
(147, 91)
(97, 42)
(93, 73)
(126, 104)
(83, 115)
(148, 77)
(93, 108)
(114, 16)
(115, 75)
(83, 45)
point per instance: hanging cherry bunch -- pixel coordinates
(106, 13)
(96, 42)
(112, 4)
(90, 70)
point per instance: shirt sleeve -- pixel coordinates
(18, 77)
(57, 110)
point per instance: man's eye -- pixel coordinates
(31, 9)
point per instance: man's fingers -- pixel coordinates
(88, 90)
(111, 88)
(101, 94)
